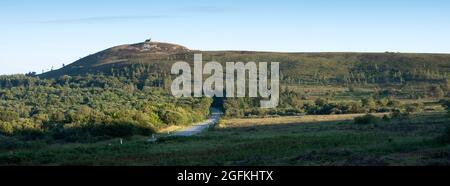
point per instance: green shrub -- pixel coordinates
(175, 118)
(6, 128)
(394, 103)
(445, 103)
(386, 118)
(445, 138)
(116, 129)
(9, 143)
(415, 107)
(383, 102)
(398, 114)
(321, 101)
(366, 119)
(32, 134)
(9, 116)
(436, 92)
(369, 103)
(120, 128)
(154, 119)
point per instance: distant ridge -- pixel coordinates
(296, 68)
(122, 54)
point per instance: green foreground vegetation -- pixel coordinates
(78, 115)
(87, 109)
(413, 141)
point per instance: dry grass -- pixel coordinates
(289, 120)
(170, 129)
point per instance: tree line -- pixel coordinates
(86, 108)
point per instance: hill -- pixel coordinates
(305, 77)
(123, 55)
(146, 58)
(123, 92)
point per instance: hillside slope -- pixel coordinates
(296, 68)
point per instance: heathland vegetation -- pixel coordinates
(374, 108)
(89, 108)
(341, 81)
(294, 140)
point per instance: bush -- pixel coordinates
(415, 107)
(321, 102)
(31, 134)
(119, 128)
(445, 138)
(394, 103)
(366, 119)
(154, 119)
(386, 118)
(369, 103)
(398, 114)
(436, 92)
(175, 118)
(9, 143)
(9, 116)
(383, 102)
(445, 103)
(6, 128)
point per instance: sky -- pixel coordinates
(37, 35)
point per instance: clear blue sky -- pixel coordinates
(36, 35)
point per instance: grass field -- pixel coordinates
(309, 140)
(309, 119)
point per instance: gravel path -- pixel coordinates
(199, 127)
